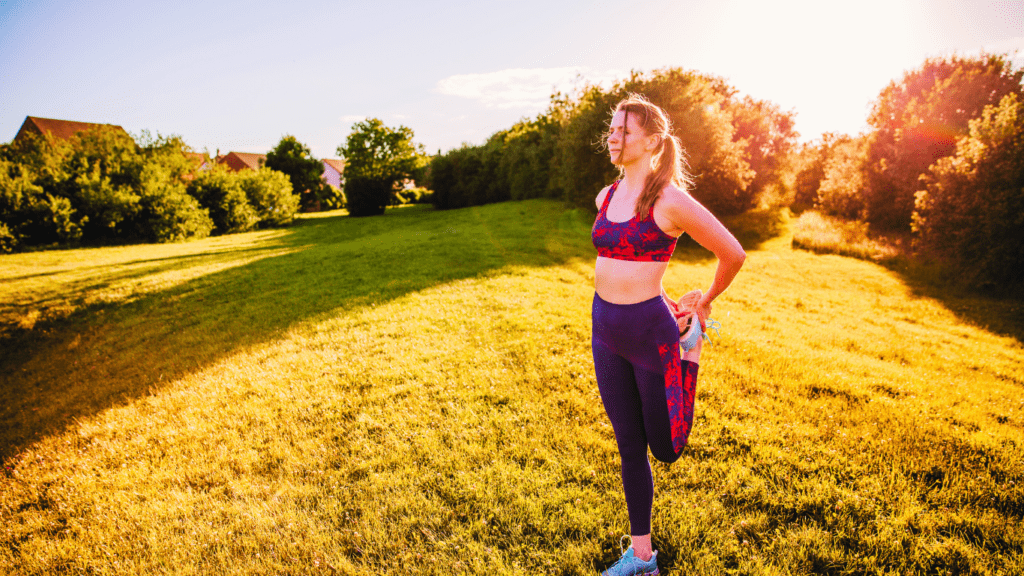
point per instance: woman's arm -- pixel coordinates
(694, 219)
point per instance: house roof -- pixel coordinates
(336, 163)
(242, 160)
(62, 129)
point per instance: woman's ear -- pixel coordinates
(653, 142)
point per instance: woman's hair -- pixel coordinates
(669, 158)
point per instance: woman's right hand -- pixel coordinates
(690, 303)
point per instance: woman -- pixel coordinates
(646, 384)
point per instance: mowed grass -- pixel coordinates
(414, 394)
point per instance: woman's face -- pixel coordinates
(627, 142)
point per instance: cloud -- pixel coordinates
(351, 119)
(521, 87)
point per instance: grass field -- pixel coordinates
(414, 394)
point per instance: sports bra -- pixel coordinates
(633, 240)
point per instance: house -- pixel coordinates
(333, 169)
(237, 161)
(62, 129)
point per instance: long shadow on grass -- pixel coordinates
(1000, 315)
(105, 355)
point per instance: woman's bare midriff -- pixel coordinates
(627, 282)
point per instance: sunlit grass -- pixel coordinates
(824, 234)
(414, 394)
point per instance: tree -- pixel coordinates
(305, 172)
(972, 211)
(768, 136)
(839, 192)
(918, 120)
(378, 159)
(812, 159)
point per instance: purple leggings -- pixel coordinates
(647, 390)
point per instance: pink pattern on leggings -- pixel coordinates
(680, 390)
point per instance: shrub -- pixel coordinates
(842, 183)
(333, 198)
(270, 194)
(972, 211)
(416, 195)
(918, 119)
(220, 192)
(368, 196)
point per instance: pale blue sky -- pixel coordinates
(238, 75)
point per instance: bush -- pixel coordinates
(368, 196)
(166, 212)
(270, 194)
(417, 195)
(333, 198)
(918, 119)
(842, 180)
(29, 214)
(220, 192)
(972, 211)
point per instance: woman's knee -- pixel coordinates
(667, 455)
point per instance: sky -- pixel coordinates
(237, 76)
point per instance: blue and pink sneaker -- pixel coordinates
(630, 565)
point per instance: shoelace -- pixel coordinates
(711, 325)
(622, 555)
(621, 549)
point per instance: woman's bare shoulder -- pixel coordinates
(675, 198)
(600, 196)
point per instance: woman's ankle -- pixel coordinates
(642, 547)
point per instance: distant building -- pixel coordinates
(62, 129)
(333, 169)
(238, 161)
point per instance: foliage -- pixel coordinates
(810, 169)
(378, 159)
(918, 119)
(417, 195)
(972, 212)
(332, 198)
(269, 192)
(99, 186)
(738, 149)
(839, 193)
(29, 214)
(769, 139)
(220, 192)
(305, 172)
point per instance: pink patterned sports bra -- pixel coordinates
(633, 240)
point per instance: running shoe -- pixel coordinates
(692, 333)
(630, 565)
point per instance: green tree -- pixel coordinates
(810, 171)
(305, 172)
(918, 120)
(220, 192)
(378, 159)
(842, 182)
(270, 194)
(971, 213)
(768, 136)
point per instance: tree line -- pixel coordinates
(943, 161)
(737, 148)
